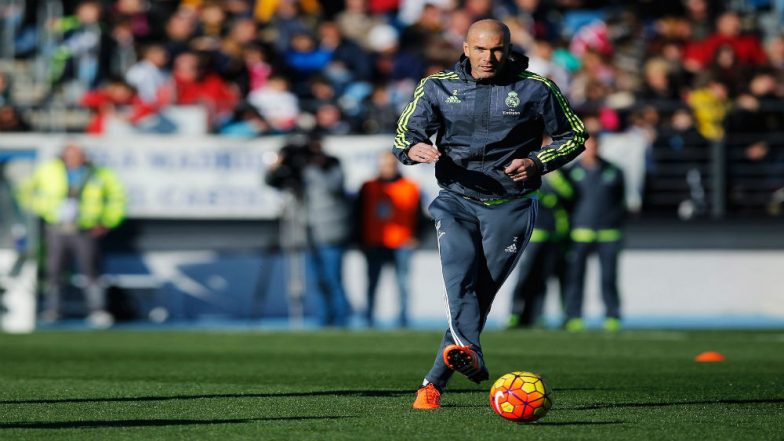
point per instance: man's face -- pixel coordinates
(73, 156)
(387, 166)
(487, 52)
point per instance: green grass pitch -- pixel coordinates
(140, 385)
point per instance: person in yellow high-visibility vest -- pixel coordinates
(597, 217)
(79, 202)
(544, 257)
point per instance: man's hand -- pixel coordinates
(521, 169)
(423, 152)
(98, 231)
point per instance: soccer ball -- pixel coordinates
(521, 397)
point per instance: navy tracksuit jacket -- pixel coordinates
(484, 218)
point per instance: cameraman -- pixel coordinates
(315, 180)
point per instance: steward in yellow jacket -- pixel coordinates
(79, 202)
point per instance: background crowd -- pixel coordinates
(658, 81)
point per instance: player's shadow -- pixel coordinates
(152, 423)
(321, 393)
(595, 406)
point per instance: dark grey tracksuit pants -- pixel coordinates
(479, 246)
(61, 244)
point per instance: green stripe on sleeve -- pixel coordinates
(575, 123)
(403, 121)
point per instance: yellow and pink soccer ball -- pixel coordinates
(522, 397)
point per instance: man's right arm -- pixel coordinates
(416, 125)
(27, 192)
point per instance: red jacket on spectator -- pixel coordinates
(109, 101)
(210, 91)
(747, 48)
(378, 7)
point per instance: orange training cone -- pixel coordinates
(709, 356)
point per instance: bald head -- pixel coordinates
(487, 48)
(488, 26)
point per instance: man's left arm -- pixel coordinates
(565, 128)
(114, 200)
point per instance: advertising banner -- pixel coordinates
(210, 177)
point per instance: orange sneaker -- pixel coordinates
(428, 397)
(465, 360)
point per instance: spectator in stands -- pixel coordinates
(680, 134)
(276, 104)
(660, 87)
(424, 32)
(355, 23)
(116, 108)
(11, 121)
(391, 219)
(192, 84)
(149, 74)
(321, 93)
(535, 17)
(754, 141)
(287, 22)
(667, 46)
(382, 40)
(540, 60)
(456, 28)
(246, 123)
(775, 53)
(592, 83)
(79, 203)
(210, 26)
(679, 142)
(180, 28)
(380, 115)
(139, 19)
(329, 121)
(256, 70)
(123, 47)
(629, 149)
(725, 68)
(747, 48)
(350, 55)
(384, 54)
(229, 57)
(709, 102)
(700, 16)
(84, 51)
(305, 59)
(211, 22)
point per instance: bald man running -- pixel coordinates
(489, 115)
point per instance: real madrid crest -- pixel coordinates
(512, 100)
